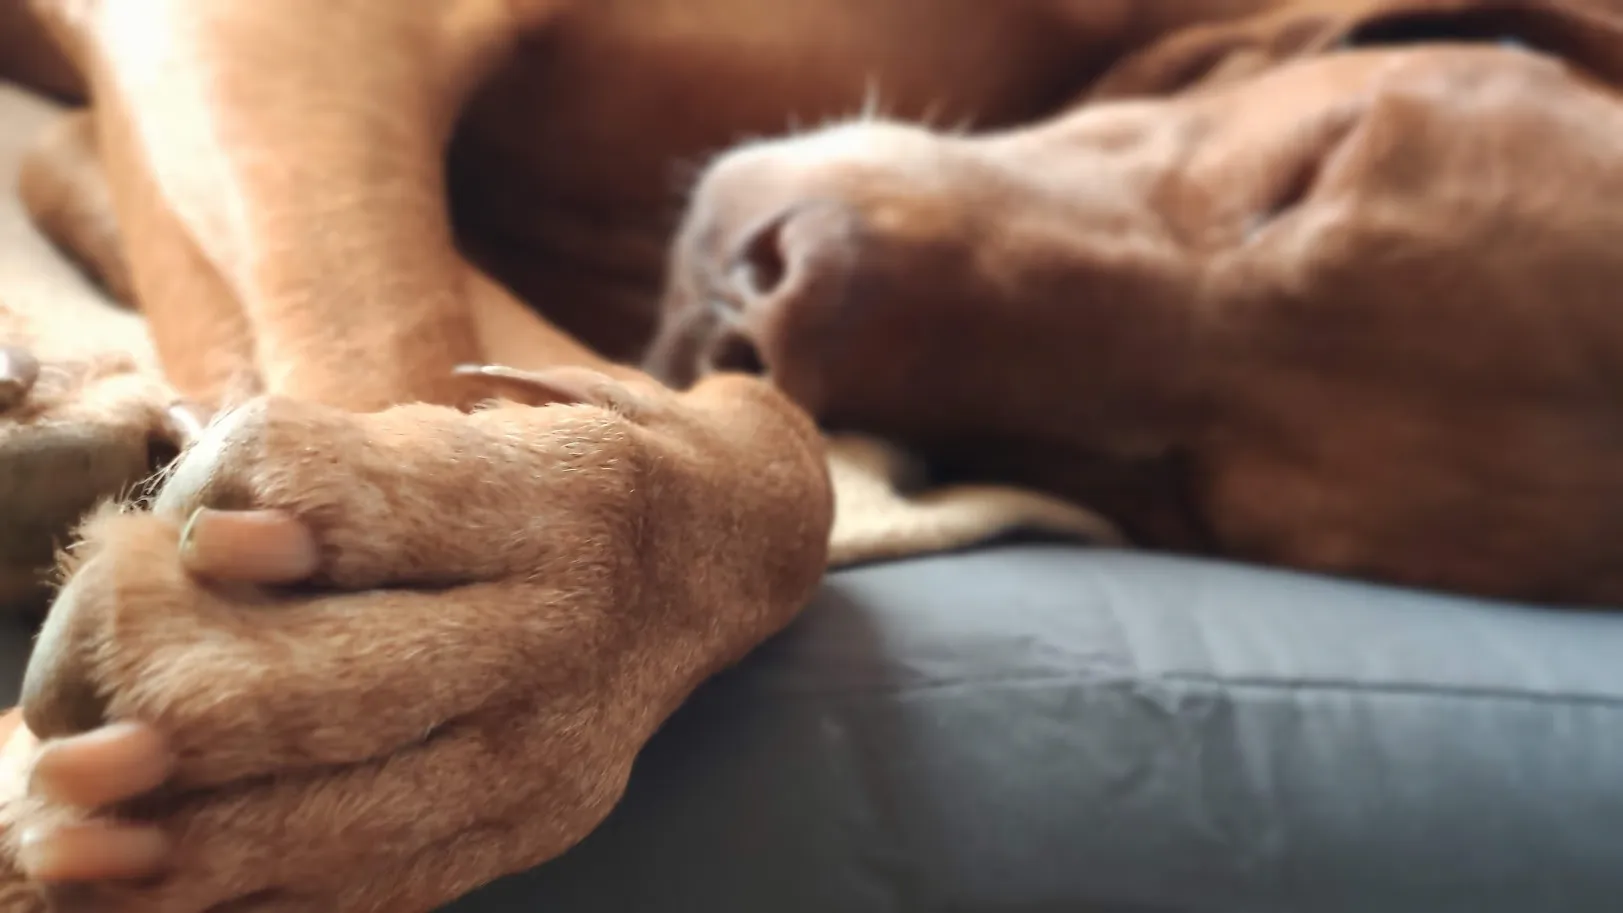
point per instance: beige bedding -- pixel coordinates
(879, 515)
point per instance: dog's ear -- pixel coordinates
(1207, 54)
(1588, 33)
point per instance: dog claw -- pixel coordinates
(249, 546)
(91, 851)
(102, 767)
(19, 370)
(525, 383)
(184, 422)
(556, 386)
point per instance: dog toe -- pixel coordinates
(266, 547)
(102, 767)
(72, 434)
(91, 851)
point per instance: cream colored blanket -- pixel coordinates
(882, 512)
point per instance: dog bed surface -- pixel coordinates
(1048, 728)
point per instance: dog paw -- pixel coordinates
(72, 433)
(370, 662)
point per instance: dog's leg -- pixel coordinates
(498, 610)
(28, 56)
(233, 208)
(298, 146)
(64, 189)
(77, 430)
(83, 416)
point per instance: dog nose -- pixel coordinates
(734, 350)
(756, 276)
(760, 264)
(777, 239)
(778, 275)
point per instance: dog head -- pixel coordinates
(1381, 193)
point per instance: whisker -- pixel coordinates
(872, 104)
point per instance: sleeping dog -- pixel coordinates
(1319, 284)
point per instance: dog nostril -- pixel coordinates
(760, 266)
(735, 353)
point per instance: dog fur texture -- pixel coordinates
(1315, 284)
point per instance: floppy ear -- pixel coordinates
(1588, 33)
(1210, 53)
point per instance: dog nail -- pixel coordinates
(568, 385)
(17, 750)
(111, 764)
(10, 723)
(526, 383)
(91, 851)
(184, 423)
(502, 380)
(249, 546)
(479, 372)
(19, 370)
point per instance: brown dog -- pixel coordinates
(1349, 312)
(1257, 312)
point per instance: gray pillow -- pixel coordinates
(1043, 728)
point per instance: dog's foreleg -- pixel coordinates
(298, 146)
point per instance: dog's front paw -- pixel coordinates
(72, 433)
(367, 663)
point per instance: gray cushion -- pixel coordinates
(1043, 728)
(1036, 728)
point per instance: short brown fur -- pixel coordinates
(1080, 297)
